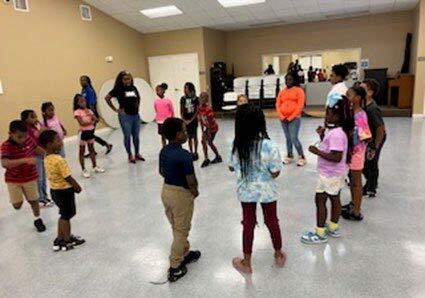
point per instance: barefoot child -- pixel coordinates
(34, 128)
(332, 168)
(361, 135)
(86, 119)
(257, 163)
(163, 108)
(62, 187)
(51, 121)
(209, 128)
(178, 194)
(18, 157)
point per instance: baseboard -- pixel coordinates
(98, 132)
(418, 116)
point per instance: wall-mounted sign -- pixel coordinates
(364, 63)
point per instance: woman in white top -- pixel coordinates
(338, 76)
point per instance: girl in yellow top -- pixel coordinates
(289, 106)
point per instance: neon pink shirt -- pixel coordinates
(164, 109)
(87, 116)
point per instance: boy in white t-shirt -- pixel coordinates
(338, 76)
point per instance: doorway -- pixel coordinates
(175, 71)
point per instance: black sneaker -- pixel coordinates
(192, 257)
(39, 225)
(349, 215)
(371, 194)
(174, 274)
(57, 244)
(76, 240)
(206, 163)
(348, 207)
(62, 245)
(195, 156)
(216, 160)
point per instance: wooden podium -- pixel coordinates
(405, 84)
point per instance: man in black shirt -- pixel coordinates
(377, 128)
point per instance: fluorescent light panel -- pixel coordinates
(161, 12)
(234, 3)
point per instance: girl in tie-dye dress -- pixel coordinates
(360, 136)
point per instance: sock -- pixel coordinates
(37, 217)
(320, 231)
(333, 226)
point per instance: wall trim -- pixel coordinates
(101, 131)
(418, 116)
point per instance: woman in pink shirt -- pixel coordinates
(51, 121)
(163, 108)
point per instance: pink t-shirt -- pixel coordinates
(164, 109)
(335, 140)
(87, 116)
(54, 124)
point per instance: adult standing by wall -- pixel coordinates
(289, 106)
(90, 95)
(128, 112)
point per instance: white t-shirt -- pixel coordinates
(336, 93)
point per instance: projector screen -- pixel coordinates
(147, 97)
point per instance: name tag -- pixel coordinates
(130, 94)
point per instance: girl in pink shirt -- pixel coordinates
(163, 108)
(51, 121)
(86, 119)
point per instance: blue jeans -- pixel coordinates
(42, 186)
(130, 125)
(291, 130)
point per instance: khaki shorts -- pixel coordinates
(17, 192)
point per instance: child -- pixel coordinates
(18, 157)
(51, 121)
(209, 128)
(189, 105)
(379, 135)
(332, 167)
(257, 163)
(361, 134)
(338, 76)
(178, 194)
(34, 128)
(62, 187)
(163, 108)
(86, 119)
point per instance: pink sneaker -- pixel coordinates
(280, 259)
(238, 265)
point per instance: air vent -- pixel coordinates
(21, 5)
(85, 12)
(348, 15)
(268, 24)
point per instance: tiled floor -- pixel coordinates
(128, 237)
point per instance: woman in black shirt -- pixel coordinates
(128, 112)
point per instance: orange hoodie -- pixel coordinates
(290, 103)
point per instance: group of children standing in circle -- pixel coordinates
(349, 143)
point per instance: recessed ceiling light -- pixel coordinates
(160, 12)
(233, 3)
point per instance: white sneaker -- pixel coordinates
(98, 170)
(301, 162)
(86, 173)
(287, 160)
